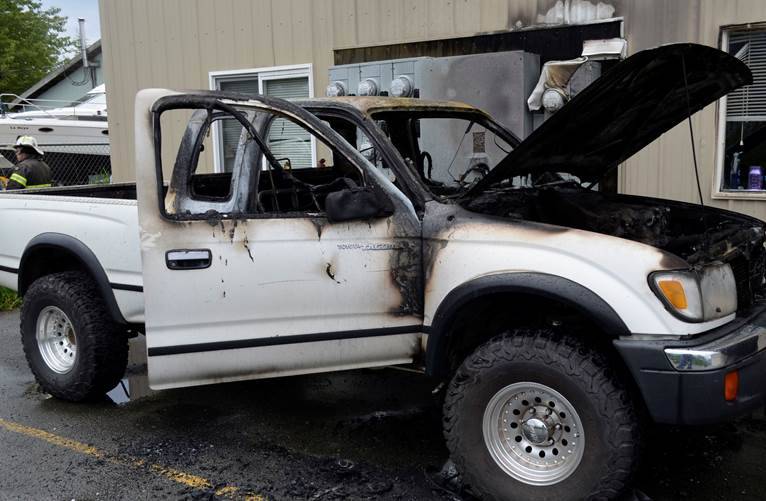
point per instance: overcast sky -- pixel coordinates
(73, 9)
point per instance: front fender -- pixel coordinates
(530, 284)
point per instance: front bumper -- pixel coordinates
(682, 382)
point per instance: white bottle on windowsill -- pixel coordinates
(734, 172)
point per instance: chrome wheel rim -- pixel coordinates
(533, 433)
(56, 340)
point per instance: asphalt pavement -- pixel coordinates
(372, 434)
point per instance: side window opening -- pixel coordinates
(296, 185)
(194, 188)
(266, 178)
(207, 185)
(290, 144)
(357, 137)
(365, 139)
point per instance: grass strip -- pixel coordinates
(8, 299)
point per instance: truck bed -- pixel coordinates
(124, 191)
(103, 218)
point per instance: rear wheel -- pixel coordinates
(56, 339)
(72, 346)
(534, 415)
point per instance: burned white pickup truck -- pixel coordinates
(419, 233)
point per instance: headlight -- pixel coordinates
(697, 296)
(680, 292)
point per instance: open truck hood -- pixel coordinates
(627, 108)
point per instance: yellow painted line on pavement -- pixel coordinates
(180, 477)
(51, 438)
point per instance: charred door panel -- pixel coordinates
(285, 291)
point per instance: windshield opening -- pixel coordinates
(91, 99)
(449, 151)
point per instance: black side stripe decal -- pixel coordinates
(126, 287)
(279, 340)
(122, 287)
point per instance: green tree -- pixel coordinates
(31, 43)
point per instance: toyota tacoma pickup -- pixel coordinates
(342, 233)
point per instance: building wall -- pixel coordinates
(665, 168)
(70, 88)
(175, 43)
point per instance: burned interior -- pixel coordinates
(256, 178)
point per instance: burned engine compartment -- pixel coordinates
(697, 235)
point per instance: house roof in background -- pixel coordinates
(61, 72)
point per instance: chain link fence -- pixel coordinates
(71, 164)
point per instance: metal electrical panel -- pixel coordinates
(379, 73)
(497, 82)
(406, 67)
(347, 75)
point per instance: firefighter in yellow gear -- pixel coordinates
(30, 171)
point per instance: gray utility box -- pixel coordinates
(497, 82)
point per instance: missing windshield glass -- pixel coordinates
(451, 152)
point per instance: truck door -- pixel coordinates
(277, 267)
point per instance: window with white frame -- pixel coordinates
(742, 124)
(285, 140)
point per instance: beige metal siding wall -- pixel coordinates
(665, 168)
(175, 43)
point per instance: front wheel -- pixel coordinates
(72, 346)
(535, 415)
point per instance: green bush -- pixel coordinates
(8, 299)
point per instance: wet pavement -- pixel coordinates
(371, 434)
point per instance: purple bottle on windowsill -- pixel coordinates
(755, 178)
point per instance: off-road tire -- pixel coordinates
(102, 349)
(579, 373)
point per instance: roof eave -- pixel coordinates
(57, 75)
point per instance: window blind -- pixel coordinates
(748, 104)
(231, 129)
(286, 139)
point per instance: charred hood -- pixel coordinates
(620, 113)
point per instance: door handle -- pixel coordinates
(188, 259)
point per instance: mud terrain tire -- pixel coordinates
(101, 354)
(540, 359)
